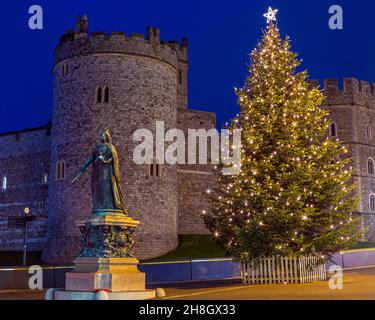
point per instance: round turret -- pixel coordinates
(124, 84)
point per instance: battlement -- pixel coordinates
(82, 42)
(349, 91)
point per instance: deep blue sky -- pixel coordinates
(220, 33)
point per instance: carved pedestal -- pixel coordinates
(107, 261)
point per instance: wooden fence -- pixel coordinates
(283, 270)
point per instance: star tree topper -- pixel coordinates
(270, 15)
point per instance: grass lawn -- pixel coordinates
(194, 246)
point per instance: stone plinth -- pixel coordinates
(106, 266)
(113, 274)
(86, 295)
(107, 234)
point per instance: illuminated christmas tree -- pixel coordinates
(294, 194)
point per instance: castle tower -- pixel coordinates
(124, 84)
(352, 113)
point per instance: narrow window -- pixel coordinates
(45, 178)
(64, 69)
(333, 130)
(41, 205)
(372, 203)
(60, 170)
(4, 183)
(155, 169)
(106, 94)
(99, 95)
(370, 166)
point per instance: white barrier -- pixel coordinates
(283, 270)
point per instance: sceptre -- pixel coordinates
(78, 175)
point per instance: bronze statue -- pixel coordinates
(105, 176)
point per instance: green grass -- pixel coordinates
(204, 246)
(194, 246)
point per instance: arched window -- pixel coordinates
(102, 94)
(155, 169)
(64, 69)
(372, 203)
(4, 183)
(370, 166)
(106, 94)
(60, 170)
(333, 130)
(99, 95)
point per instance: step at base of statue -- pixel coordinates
(112, 274)
(86, 295)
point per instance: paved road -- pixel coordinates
(357, 284)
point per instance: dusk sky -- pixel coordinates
(220, 34)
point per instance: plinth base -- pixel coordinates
(106, 268)
(112, 274)
(84, 295)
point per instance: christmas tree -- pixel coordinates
(294, 194)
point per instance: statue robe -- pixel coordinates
(105, 178)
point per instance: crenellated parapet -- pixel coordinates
(351, 91)
(81, 42)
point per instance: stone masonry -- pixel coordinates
(353, 113)
(24, 162)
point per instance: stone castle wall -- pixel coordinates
(353, 110)
(24, 160)
(194, 179)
